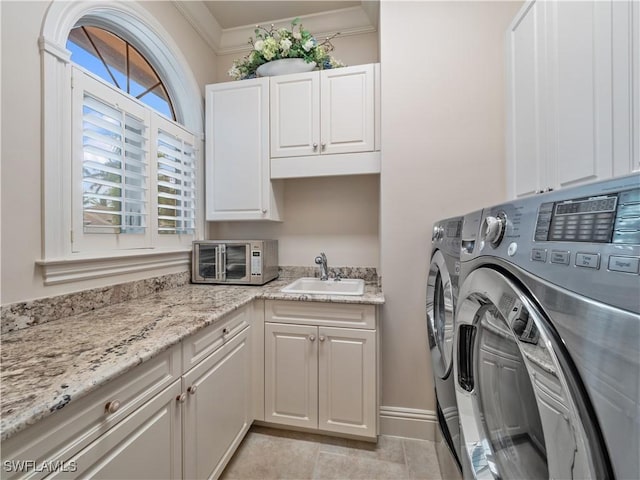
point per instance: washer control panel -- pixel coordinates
(585, 239)
(611, 218)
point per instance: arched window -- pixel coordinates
(118, 62)
(120, 172)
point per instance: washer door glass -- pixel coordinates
(440, 309)
(518, 417)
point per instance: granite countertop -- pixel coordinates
(49, 365)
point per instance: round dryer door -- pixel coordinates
(440, 309)
(518, 409)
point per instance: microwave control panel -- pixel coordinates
(256, 262)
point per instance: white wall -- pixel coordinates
(443, 124)
(335, 215)
(21, 142)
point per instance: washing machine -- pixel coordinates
(547, 342)
(442, 295)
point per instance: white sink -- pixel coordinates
(310, 285)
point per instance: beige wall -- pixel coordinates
(336, 215)
(443, 125)
(21, 141)
(351, 49)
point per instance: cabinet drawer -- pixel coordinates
(197, 347)
(61, 435)
(147, 444)
(321, 314)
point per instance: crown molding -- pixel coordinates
(347, 21)
(202, 21)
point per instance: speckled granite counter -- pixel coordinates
(46, 366)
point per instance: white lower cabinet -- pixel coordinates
(291, 374)
(183, 413)
(145, 445)
(321, 373)
(94, 436)
(156, 421)
(217, 410)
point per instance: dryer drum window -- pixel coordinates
(440, 310)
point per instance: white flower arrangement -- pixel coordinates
(274, 44)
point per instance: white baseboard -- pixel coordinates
(408, 422)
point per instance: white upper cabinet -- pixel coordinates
(525, 128)
(347, 110)
(580, 107)
(295, 115)
(571, 77)
(325, 122)
(238, 183)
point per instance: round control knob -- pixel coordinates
(493, 228)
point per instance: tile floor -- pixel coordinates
(267, 453)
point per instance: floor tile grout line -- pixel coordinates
(406, 462)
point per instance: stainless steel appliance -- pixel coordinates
(442, 296)
(547, 347)
(245, 262)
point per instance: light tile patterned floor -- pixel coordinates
(267, 453)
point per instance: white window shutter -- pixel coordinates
(114, 169)
(176, 179)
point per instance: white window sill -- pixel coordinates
(84, 267)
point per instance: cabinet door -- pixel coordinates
(146, 444)
(238, 181)
(526, 156)
(580, 85)
(347, 381)
(291, 374)
(217, 411)
(295, 115)
(635, 88)
(626, 86)
(348, 119)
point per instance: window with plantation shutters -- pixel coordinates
(114, 171)
(134, 172)
(176, 177)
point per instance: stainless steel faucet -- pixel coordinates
(321, 260)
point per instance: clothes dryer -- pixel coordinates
(442, 295)
(547, 349)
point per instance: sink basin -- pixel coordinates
(310, 285)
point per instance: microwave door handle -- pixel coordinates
(217, 250)
(223, 263)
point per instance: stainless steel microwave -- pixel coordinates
(240, 262)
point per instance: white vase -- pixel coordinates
(284, 66)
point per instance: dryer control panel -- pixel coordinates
(585, 239)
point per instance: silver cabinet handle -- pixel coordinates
(315, 147)
(264, 211)
(112, 406)
(181, 398)
(322, 338)
(324, 146)
(192, 389)
(312, 338)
